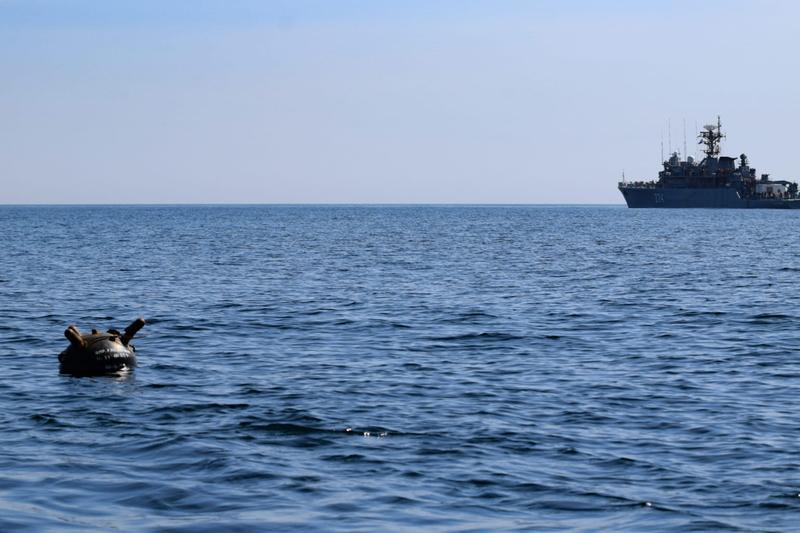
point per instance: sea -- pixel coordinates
(403, 368)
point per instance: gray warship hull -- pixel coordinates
(716, 197)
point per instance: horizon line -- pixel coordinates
(299, 204)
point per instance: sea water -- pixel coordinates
(368, 368)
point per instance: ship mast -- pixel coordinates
(710, 137)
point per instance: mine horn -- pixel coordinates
(74, 337)
(131, 330)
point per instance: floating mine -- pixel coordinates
(99, 353)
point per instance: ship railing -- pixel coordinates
(638, 184)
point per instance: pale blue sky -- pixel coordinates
(367, 101)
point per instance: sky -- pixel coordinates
(419, 101)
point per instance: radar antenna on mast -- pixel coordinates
(710, 137)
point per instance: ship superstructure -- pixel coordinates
(715, 181)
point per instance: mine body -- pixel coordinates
(715, 181)
(99, 353)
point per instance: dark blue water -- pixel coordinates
(388, 368)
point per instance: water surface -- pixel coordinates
(399, 368)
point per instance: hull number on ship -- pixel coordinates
(659, 197)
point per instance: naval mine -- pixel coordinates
(99, 353)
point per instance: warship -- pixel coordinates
(715, 181)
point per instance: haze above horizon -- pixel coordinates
(303, 101)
